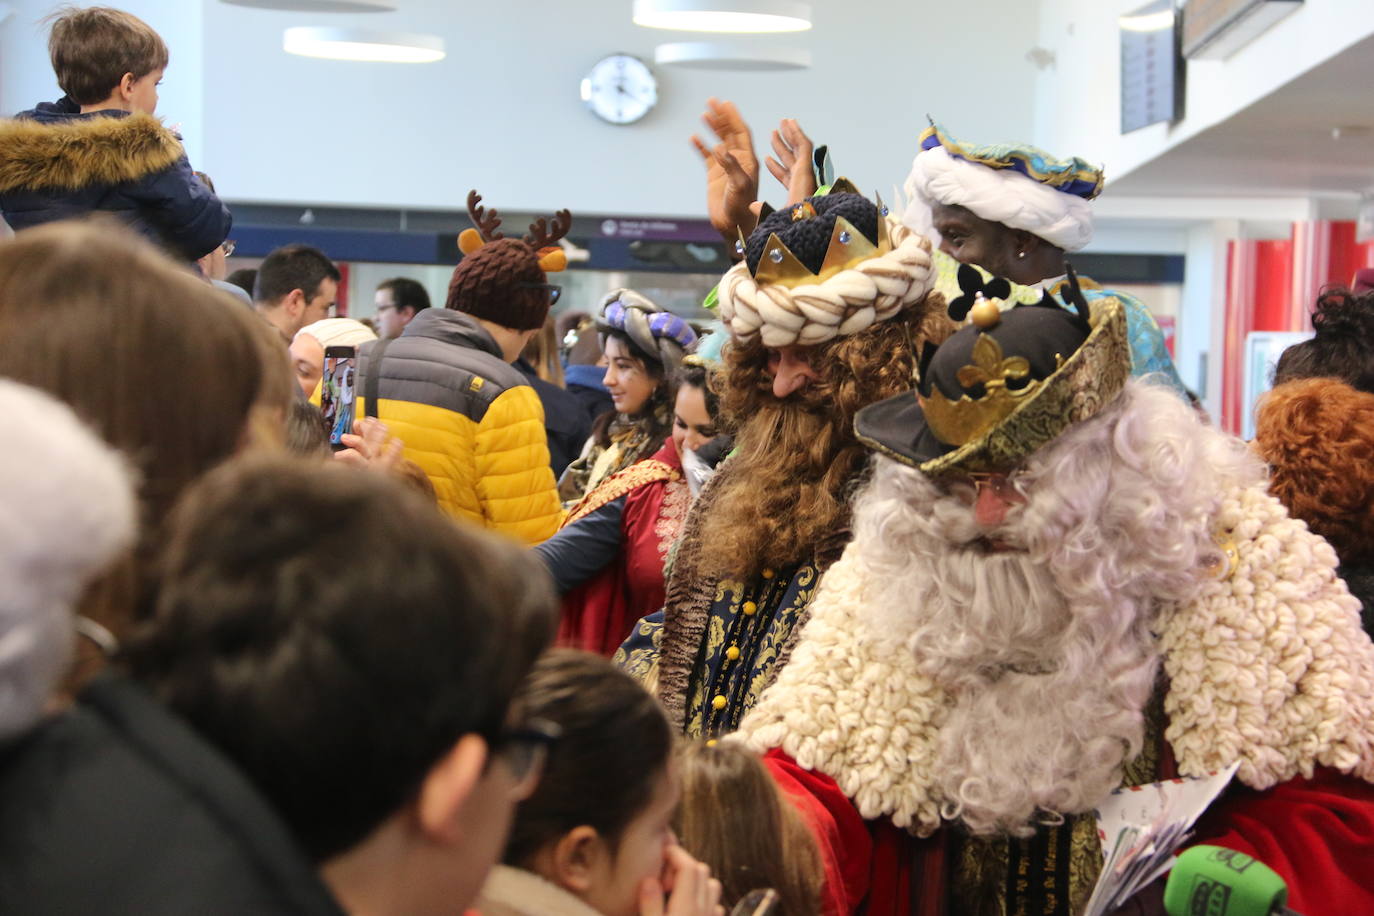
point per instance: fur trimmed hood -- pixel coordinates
(74, 152)
(1268, 666)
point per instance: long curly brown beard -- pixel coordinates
(783, 497)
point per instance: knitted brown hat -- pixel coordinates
(488, 284)
(501, 279)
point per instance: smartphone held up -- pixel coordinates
(337, 392)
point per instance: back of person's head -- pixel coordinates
(1317, 435)
(66, 509)
(1343, 346)
(307, 434)
(244, 278)
(501, 282)
(292, 267)
(542, 353)
(157, 362)
(733, 817)
(334, 635)
(568, 322)
(92, 49)
(606, 797)
(586, 349)
(406, 292)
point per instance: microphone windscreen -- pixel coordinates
(1215, 881)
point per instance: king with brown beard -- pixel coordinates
(1062, 582)
(827, 313)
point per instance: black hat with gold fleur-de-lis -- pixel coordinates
(1005, 385)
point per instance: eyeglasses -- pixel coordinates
(1003, 486)
(554, 291)
(525, 750)
(227, 247)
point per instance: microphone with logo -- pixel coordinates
(1215, 881)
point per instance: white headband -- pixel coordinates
(998, 195)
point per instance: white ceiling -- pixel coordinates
(1282, 145)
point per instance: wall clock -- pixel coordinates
(620, 89)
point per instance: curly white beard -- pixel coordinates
(1045, 648)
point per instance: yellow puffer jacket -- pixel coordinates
(469, 420)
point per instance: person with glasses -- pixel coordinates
(595, 837)
(447, 388)
(642, 345)
(398, 301)
(309, 723)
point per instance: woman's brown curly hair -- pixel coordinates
(1317, 435)
(783, 497)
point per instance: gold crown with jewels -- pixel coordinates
(848, 246)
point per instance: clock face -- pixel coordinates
(620, 89)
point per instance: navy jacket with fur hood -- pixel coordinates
(56, 163)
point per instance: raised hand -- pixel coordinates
(732, 170)
(792, 167)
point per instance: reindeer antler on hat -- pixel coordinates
(542, 237)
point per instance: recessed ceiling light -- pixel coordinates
(724, 15)
(374, 45)
(717, 55)
(320, 6)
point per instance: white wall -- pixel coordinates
(1077, 103)
(26, 76)
(502, 112)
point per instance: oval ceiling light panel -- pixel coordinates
(373, 45)
(714, 55)
(724, 15)
(319, 6)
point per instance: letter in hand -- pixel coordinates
(732, 170)
(688, 883)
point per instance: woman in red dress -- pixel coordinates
(608, 558)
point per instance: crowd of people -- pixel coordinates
(861, 598)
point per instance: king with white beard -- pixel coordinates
(1061, 581)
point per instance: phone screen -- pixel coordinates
(337, 392)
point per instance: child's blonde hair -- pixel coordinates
(734, 818)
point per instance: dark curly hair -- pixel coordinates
(1343, 346)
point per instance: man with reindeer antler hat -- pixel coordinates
(447, 389)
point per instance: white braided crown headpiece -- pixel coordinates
(847, 303)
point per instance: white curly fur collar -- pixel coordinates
(1268, 666)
